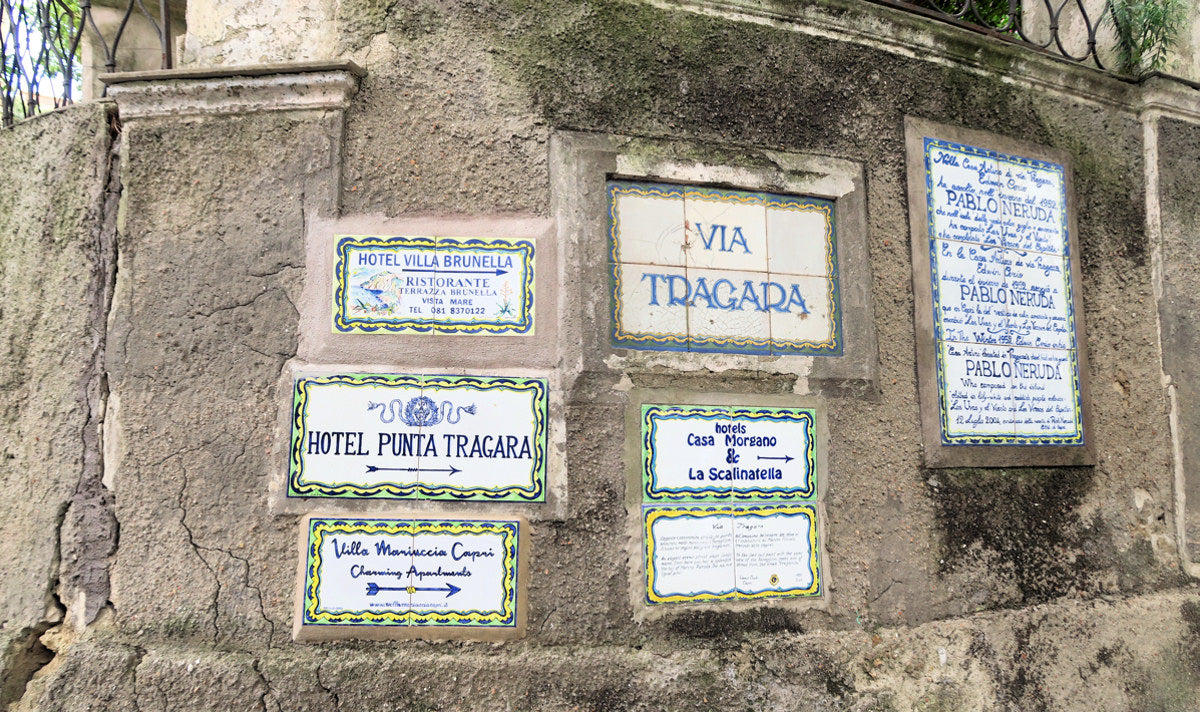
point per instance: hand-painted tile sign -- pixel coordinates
(704, 453)
(716, 553)
(461, 573)
(726, 507)
(419, 437)
(1003, 310)
(426, 285)
(700, 269)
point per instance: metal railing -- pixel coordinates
(41, 43)
(1071, 29)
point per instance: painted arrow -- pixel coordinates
(450, 589)
(374, 468)
(496, 272)
(785, 458)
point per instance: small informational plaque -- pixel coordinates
(708, 270)
(411, 577)
(428, 285)
(727, 453)
(715, 553)
(729, 508)
(370, 435)
(995, 270)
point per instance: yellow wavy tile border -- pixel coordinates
(651, 514)
(318, 528)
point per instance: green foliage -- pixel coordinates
(1146, 32)
(993, 14)
(40, 43)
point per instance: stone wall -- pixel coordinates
(972, 588)
(57, 215)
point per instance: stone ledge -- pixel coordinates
(217, 91)
(252, 70)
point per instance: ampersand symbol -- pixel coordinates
(730, 457)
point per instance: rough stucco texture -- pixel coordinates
(427, 133)
(461, 97)
(1179, 184)
(210, 266)
(52, 183)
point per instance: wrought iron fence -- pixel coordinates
(1072, 29)
(41, 43)
(41, 40)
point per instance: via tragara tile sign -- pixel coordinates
(428, 285)
(729, 509)
(708, 270)
(411, 577)
(1005, 363)
(732, 453)
(397, 436)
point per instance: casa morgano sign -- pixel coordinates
(725, 452)
(702, 269)
(728, 503)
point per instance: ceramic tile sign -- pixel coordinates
(411, 573)
(1003, 314)
(360, 435)
(728, 453)
(726, 553)
(725, 271)
(427, 285)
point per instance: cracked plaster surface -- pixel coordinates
(55, 518)
(205, 319)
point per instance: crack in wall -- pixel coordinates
(26, 655)
(88, 529)
(333, 695)
(85, 526)
(204, 552)
(140, 653)
(262, 698)
(23, 657)
(237, 305)
(215, 606)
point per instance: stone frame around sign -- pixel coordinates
(777, 318)
(552, 507)
(635, 547)
(420, 416)
(537, 348)
(461, 318)
(581, 166)
(938, 454)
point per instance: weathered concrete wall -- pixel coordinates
(1179, 188)
(225, 32)
(203, 320)
(56, 530)
(973, 589)
(965, 539)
